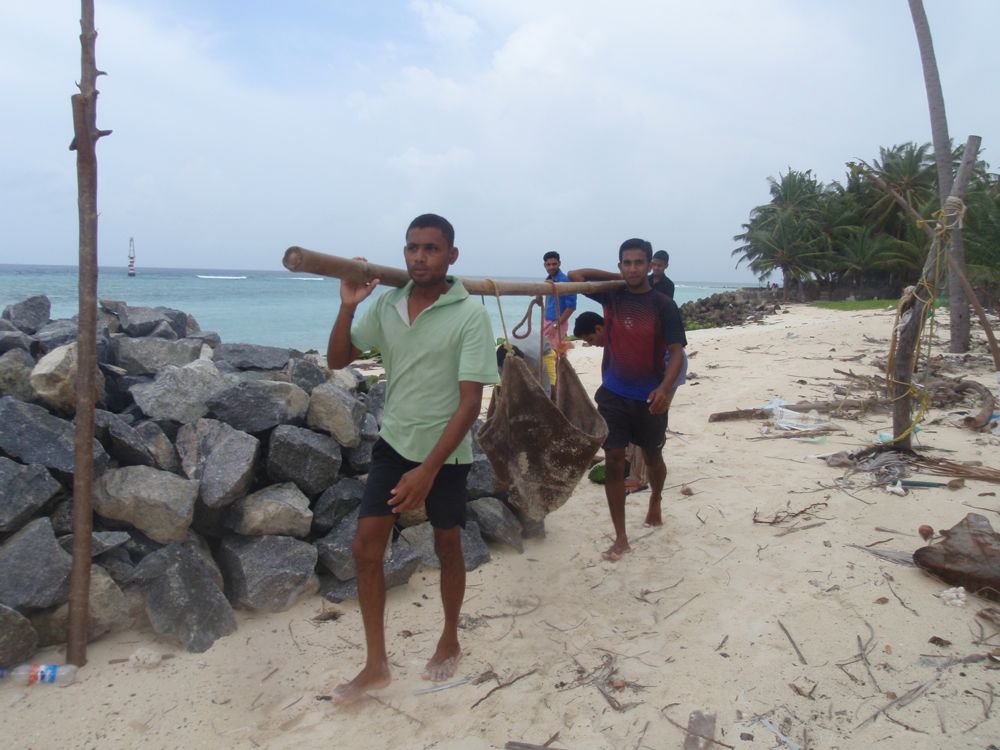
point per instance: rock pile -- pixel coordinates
(227, 475)
(730, 308)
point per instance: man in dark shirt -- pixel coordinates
(658, 279)
(641, 327)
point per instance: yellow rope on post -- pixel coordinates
(950, 215)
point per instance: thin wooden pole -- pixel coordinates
(84, 143)
(300, 260)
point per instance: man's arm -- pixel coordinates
(659, 399)
(414, 485)
(340, 352)
(593, 274)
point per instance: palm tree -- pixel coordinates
(958, 304)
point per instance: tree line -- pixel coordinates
(850, 237)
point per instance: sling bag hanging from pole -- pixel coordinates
(540, 448)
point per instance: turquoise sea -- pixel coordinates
(275, 308)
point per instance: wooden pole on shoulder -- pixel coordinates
(300, 260)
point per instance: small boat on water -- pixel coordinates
(200, 276)
(131, 256)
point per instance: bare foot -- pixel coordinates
(443, 664)
(615, 552)
(653, 516)
(367, 679)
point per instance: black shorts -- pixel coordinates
(445, 504)
(629, 421)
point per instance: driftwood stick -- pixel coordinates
(803, 406)
(793, 434)
(502, 685)
(794, 644)
(663, 713)
(300, 260)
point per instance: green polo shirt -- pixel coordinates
(424, 361)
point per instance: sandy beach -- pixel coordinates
(756, 624)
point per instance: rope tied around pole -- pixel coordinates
(949, 217)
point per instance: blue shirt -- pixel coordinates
(566, 301)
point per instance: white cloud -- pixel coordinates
(444, 24)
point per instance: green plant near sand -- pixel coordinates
(863, 304)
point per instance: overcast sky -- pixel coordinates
(241, 128)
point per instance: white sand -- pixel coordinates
(708, 639)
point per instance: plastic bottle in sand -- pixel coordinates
(41, 674)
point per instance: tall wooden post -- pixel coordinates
(84, 143)
(912, 318)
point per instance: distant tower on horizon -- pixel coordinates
(131, 256)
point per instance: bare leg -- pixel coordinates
(448, 546)
(657, 471)
(614, 489)
(369, 548)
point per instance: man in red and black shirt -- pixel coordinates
(641, 327)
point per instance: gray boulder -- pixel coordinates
(24, 490)
(252, 357)
(334, 549)
(100, 541)
(335, 410)
(421, 539)
(144, 321)
(306, 374)
(107, 610)
(29, 314)
(118, 564)
(280, 509)
(159, 446)
(158, 503)
(398, 567)
(260, 405)
(35, 569)
(482, 480)
(496, 522)
(179, 393)
(336, 503)
(125, 444)
(308, 458)
(147, 356)
(53, 379)
(163, 330)
(222, 458)
(18, 640)
(375, 400)
(182, 600)
(15, 340)
(55, 334)
(358, 460)
(15, 374)
(268, 573)
(33, 436)
(207, 338)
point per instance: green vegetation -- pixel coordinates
(853, 236)
(857, 304)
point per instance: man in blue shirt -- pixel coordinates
(557, 321)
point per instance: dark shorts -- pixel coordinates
(445, 502)
(629, 421)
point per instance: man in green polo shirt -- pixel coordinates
(437, 348)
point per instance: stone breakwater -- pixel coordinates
(734, 308)
(226, 475)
